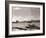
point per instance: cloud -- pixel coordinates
(17, 8)
(20, 18)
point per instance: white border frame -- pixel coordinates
(25, 32)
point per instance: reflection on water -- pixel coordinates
(25, 26)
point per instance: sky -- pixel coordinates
(26, 13)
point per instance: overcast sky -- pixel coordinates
(26, 12)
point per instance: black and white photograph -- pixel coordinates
(25, 18)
